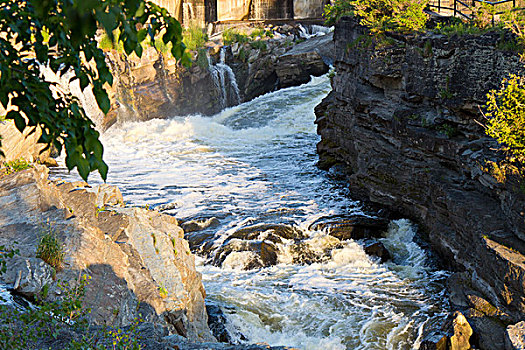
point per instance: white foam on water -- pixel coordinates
(255, 163)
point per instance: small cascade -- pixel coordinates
(224, 81)
(313, 31)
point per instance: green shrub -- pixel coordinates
(17, 165)
(194, 37)
(50, 248)
(332, 13)
(232, 35)
(262, 33)
(505, 112)
(381, 15)
(514, 21)
(202, 58)
(259, 45)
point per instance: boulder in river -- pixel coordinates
(351, 227)
(376, 248)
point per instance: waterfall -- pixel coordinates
(224, 81)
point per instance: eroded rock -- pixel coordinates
(138, 260)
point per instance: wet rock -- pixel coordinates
(201, 241)
(376, 248)
(237, 253)
(353, 227)
(489, 331)
(323, 45)
(296, 69)
(454, 335)
(515, 336)
(28, 276)
(273, 230)
(199, 224)
(435, 341)
(217, 321)
(268, 253)
(459, 331)
(384, 121)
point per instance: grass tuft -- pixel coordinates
(50, 249)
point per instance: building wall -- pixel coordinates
(205, 11)
(174, 7)
(231, 9)
(309, 8)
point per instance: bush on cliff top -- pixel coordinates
(506, 116)
(381, 15)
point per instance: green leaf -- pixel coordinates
(20, 122)
(83, 168)
(102, 99)
(138, 50)
(141, 9)
(103, 170)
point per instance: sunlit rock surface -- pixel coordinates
(138, 260)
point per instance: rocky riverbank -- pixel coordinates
(404, 121)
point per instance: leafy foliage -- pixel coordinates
(381, 15)
(506, 115)
(232, 35)
(60, 34)
(194, 37)
(16, 165)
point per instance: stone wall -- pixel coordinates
(404, 122)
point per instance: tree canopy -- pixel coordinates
(61, 35)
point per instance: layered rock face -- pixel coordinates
(138, 260)
(155, 86)
(404, 119)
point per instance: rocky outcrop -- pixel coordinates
(454, 335)
(17, 145)
(279, 65)
(137, 260)
(156, 86)
(403, 119)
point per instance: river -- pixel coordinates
(256, 164)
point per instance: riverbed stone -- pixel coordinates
(376, 248)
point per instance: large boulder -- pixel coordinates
(138, 260)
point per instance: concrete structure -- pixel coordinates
(206, 11)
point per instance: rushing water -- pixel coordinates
(255, 163)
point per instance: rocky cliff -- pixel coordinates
(156, 86)
(138, 260)
(403, 119)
